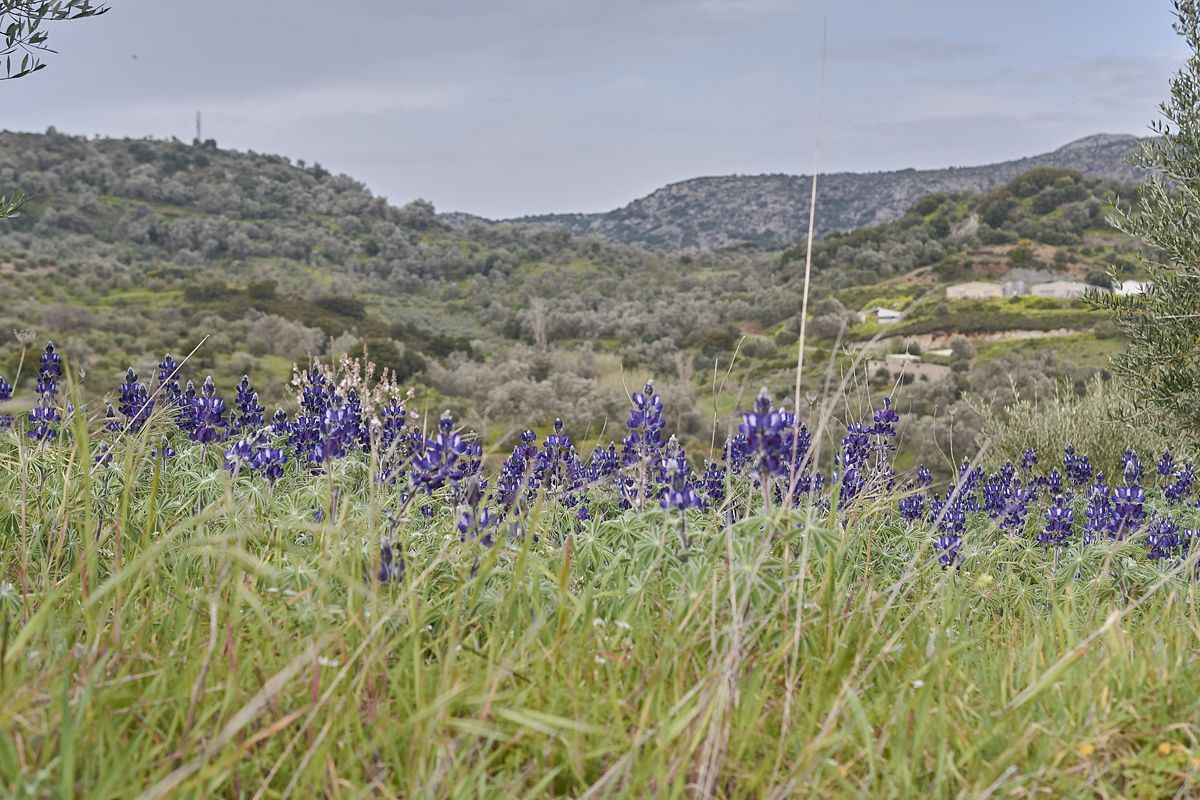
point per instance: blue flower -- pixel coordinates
(1131, 467)
(1077, 468)
(439, 463)
(678, 492)
(1128, 511)
(269, 462)
(1163, 537)
(912, 504)
(42, 418)
(49, 371)
(249, 411)
(391, 567)
(209, 414)
(238, 456)
(6, 391)
(1058, 526)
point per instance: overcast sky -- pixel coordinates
(511, 107)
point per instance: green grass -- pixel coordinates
(1084, 349)
(170, 631)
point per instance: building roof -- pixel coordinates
(974, 284)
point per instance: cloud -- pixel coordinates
(910, 52)
(628, 84)
(1111, 76)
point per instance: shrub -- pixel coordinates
(342, 306)
(1093, 424)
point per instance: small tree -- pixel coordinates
(21, 32)
(21, 26)
(1162, 362)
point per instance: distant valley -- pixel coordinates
(772, 210)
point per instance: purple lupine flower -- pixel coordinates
(164, 450)
(111, 423)
(168, 379)
(43, 417)
(1058, 526)
(249, 414)
(1166, 464)
(335, 432)
(439, 462)
(1054, 483)
(645, 425)
(1128, 510)
(391, 566)
(948, 543)
(6, 390)
(553, 463)
(315, 398)
(209, 414)
(187, 413)
(49, 371)
(1181, 489)
(135, 402)
(1077, 467)
(1131, 468)
(912, 504)
(678, 492)
(514, 473)
(476, 524)
(269, 463)
(995, 495)
(850, 463)
(240, 455)
(360, 431)
(886, 419)
(714, 483)
(1029, 460)
(1015, 506)
(924, 476)
(1163, 537)
(1099, 513)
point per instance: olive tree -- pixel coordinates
(21, 24)
(1161, 365)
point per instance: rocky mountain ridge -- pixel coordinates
(772, 210)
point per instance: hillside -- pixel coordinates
(134, 248)
(772, 210)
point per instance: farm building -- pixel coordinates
(974, 290)
(1131, 287)
(885, 314)
(1064, 290)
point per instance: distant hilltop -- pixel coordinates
(772, 210)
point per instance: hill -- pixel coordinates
(134, 248)
(772, 210)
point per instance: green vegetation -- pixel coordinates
(1161, 364)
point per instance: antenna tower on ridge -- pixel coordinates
(198, 139)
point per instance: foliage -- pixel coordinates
(308, 623)
(1161, 363)
(11, 205)
(21, 26)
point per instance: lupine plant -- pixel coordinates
(369, 557)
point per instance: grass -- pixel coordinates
(1084, 350)
(170, 631)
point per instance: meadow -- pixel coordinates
(354, 599)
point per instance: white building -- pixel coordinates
(1131, 287)
(885, 315)
(1063, 290)
(974, 290)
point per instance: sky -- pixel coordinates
(505, 108)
